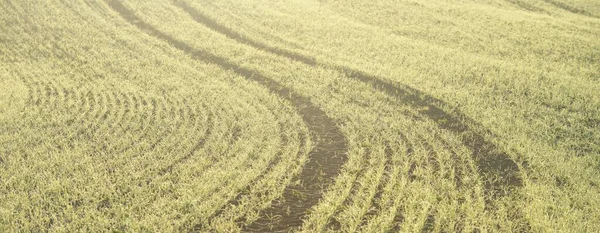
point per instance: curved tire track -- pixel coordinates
(491, 161)
(571, 9)
(326, 158)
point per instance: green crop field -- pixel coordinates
(300, 115)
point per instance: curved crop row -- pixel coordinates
(484, 152)
(326, 158)
(255, 116)
(492, 163)
(103, 142)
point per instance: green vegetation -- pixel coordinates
(315, 116)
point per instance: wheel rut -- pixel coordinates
(571, 9)
(499, 171)
(324, 161)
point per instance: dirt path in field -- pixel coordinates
(491, 161)
(325, 160)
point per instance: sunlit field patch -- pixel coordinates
(301, 115)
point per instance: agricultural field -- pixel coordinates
(300, 116)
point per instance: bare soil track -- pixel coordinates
(325, 160)
(491, 161)
(498, 171)
(569, 8)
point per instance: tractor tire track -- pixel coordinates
(325, 160)
(491, 161)
(571, 9)
(210, 23)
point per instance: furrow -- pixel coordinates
(333, 222)
(179, 122)
(115, 127)
(39, 97)
(217, 162)
(200, 144)
(133, 132)
(121, 119)
(386, 203)
(30, 90)
(86, 109)
(153, 147)
(220, 165)
(192, 126)
(244, 191)
(377, 200)
(147, 115)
